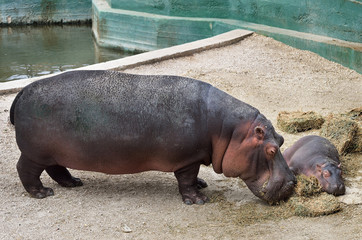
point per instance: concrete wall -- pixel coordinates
(331, 28)
(144, 32)
(44, 11)
(334, 18)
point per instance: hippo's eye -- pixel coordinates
(326, 174)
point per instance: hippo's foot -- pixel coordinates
(62, 176)
(74, 182)
(201, 183)
(189, 184)
(192, 195)
(41, 193)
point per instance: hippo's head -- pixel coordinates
(330, 178)
(256, 158)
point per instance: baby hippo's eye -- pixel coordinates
(326, 174)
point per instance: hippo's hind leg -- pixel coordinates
(29, 173)
(189, 184)
(62, 176)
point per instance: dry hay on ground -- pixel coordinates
(356, 115)
(309, 201)
(351, 165)
(321, 204)
(307, 186)
(344, 131)
(293, 122)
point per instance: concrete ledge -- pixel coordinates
(144, 58)
(17, 85)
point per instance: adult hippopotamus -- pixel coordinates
(119, 123)
(316, 156)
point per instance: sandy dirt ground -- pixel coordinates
(260, 71)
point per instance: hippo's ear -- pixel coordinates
(259, 132)
(319, 167)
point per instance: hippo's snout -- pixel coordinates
(337, 190)
(274, 192)
(289, 188)
(280, 185)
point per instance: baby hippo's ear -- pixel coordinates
(259, 132)
(319, 168)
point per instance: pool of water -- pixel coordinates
(31, 51)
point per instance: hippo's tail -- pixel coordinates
(12, 109)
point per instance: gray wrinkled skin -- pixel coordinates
(120, 123)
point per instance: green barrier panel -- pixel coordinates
(163, 23)
(334, 18)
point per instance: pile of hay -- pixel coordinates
(356, 115)
(344, 131)
(323, 204)
(308, 200)
(293, 122)
(307, 186)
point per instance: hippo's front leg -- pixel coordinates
(189, 184)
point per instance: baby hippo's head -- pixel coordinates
(330, 178)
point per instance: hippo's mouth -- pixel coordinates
(275, 194)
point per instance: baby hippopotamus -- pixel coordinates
(316, 156)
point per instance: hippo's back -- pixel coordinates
(309, 149)
(90, 111)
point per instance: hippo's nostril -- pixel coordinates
(342, 189)
(288, 188)
(293, 180)
(292, 183)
